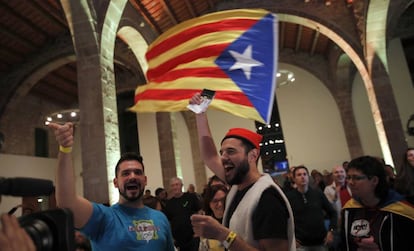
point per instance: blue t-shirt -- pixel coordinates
(125, 228)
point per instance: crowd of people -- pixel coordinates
(359, 205)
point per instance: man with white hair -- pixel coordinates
(179, 209)
(338, 193)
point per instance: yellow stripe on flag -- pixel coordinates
(215, 38)
(210, 18)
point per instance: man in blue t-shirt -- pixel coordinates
(127, 225)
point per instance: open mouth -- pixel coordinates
(228, 168)
(132, 187)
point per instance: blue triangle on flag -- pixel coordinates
(258, 85)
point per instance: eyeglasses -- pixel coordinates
(356, 177)
(216, 201)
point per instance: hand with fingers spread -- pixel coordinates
(13, 237)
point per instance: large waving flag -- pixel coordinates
(231, 52)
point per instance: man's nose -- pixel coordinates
(132, 175)
(224, 155)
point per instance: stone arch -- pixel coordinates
(136, 42)
(348, 32)
(50, 58)
(360, 63)
(27, 83)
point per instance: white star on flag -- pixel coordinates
(244, 61)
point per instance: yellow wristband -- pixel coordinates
(229, 239)
(65, 149)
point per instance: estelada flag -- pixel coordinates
(231, 52)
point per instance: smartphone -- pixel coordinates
(207, 96)
(208, 93)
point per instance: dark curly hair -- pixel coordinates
(208, 196)
(372, 166)
(129, 156)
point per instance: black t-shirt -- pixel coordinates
(178, 212)
(309, 210)
(270, 216)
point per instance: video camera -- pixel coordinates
(50, 230)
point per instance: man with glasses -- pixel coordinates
(376, 218)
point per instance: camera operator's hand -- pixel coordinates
(13, 237)
(63, 133)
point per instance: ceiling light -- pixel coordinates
(284, 77)
(61, 117)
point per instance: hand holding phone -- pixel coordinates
(207, 96)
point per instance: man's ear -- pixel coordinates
(375, 180)
(115, 181)
(253, 154)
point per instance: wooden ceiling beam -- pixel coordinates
(314, 42)
(211, 4)
(48, 91)
(10, 53)
(170, 12)
(298, 37)
(17, 37)
(56, 81)
(190, 8)
(282, 35)
(52, 14)
(146, 15)
(28, 23)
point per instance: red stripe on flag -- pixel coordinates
(238, 98)
(206, 72)
(223, 25)
(207, 51)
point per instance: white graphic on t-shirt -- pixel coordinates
(145, 230)
(360, 228)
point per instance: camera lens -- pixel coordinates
(40, 233)
(50, 230)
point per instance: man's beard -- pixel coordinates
(134, 197)
(240, 174)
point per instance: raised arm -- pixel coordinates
(65, 178)
(207, 146)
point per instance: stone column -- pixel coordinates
(97, 96)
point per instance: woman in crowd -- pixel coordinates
(318, 180)
(214, 200)
(376, 217)
(404, 182)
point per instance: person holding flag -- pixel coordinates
(232, 52)
(257, 214)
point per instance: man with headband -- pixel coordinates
(126, 225)
(257, 214)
